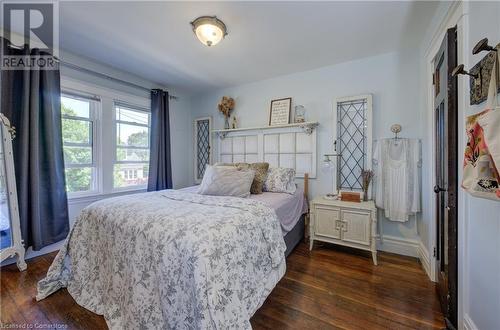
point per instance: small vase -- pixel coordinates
(226, 123)
(365, 195)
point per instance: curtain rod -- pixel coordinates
(104, 76)
(98, 74)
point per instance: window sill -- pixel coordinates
(131, 189)
(98, 196)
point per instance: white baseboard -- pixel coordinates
(32, 254)
(398, 245)
(423, 255)
(468, 323)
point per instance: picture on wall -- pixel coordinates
(279, 113)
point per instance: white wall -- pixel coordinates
(482, 217)
(392, 78)
(479, 219)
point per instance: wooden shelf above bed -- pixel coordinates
(308, 127)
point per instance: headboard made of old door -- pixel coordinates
(292, 146)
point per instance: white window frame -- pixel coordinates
(95, 143)
(133, 107)
(104, 132)
(369, 132)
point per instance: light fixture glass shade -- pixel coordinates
(209, 30)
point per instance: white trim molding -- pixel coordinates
(456, 15)
(423, 255)
(398, 245)
(469, 324)
(452, 17)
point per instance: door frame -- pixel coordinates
(448, 131)
(456, 15)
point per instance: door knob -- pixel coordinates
(438, 189)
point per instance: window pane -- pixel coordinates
(134, 155)
(130, 135)
(76, 131)
(75, 107)
(78, 179)
(139, 117)
(77, 155)
(130, 175)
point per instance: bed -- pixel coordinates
(290, 210)
(176, 259)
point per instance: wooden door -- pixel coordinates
(445, 104)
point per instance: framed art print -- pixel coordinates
(279, 113)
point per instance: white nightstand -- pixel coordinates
(344, 223)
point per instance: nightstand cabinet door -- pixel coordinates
(327, 222)
(356, 226)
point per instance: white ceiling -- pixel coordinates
(154, 40)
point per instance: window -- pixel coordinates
(78, 126)
(354, 140)
(131, 166)
(105, 141)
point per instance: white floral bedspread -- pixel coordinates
(170, 260)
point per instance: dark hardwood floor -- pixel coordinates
(328, 288)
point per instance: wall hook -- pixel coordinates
(481, 46)
(460, 70)
(396, 129)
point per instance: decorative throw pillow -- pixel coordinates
(280, 179)
(261, 170)
(226, 181)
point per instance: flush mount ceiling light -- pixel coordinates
(209, 30)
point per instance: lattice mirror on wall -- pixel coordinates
(203, 146)
(354, 140)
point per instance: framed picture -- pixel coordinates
(279, 114)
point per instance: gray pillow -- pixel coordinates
(260, 173)
(226, 181)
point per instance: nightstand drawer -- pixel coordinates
(327, 222)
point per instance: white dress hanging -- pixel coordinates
(397, 183)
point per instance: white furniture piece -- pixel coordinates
(345, 223)
(8, 198)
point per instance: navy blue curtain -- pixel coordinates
(31, 99)
(160, 168)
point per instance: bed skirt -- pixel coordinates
(295, 236)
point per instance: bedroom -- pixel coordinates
(118, 101)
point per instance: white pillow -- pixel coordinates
(226, 181)
(280, 179)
